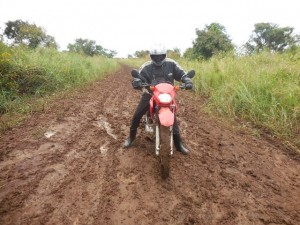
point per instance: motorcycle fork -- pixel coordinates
(157, 139)
(173, 107)
(148, 126)
(171, 141)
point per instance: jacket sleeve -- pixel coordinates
(144, 72)
(178, 72)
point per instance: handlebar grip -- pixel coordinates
(143, 79)
(182, 86)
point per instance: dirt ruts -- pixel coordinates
(67, 166)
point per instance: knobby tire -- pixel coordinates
(165, 151)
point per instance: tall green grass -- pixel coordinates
(27, 74)
(263, 89)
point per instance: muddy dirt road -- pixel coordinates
(67, 166)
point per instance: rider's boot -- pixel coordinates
(178, 144)
(131, 138)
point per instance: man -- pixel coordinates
(156, 71)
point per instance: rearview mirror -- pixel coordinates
(135, 73)
(191, 73)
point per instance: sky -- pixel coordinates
(127, 26)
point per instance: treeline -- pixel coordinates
(210, 41)
(23, 33)
(213, 40)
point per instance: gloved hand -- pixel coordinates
(189, 85)
(188, 82)
(136, 83)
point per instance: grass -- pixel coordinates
(262, 89)
(30, 77)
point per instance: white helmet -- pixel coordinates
(158, 55)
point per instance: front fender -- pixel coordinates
(166, 116)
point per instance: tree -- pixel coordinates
(21, 32)
(85, 46)
(210, 41)
(50, 42)
(174, 54)
(189, 53)
(90, 48)
(272, 37)
(141, 54)
(1, 36)
(109, 53)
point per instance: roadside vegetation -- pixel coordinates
(258, 84)
(261, 89)
(29, 77)
(32, 70)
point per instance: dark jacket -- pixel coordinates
(157, 74)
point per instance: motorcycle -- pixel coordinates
(160, 119)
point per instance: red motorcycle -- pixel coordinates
(160, 118)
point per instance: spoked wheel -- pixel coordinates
(164, 152)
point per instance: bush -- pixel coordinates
(26, 72)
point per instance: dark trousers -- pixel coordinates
(141, 109)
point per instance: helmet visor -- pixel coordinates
(158, 58)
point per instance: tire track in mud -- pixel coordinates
(67, 166)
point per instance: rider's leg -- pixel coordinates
(140, 110)
(130, 139)
(177, 139)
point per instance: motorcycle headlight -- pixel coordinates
(164, 98)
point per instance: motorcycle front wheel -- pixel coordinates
(164, 152)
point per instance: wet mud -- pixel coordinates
(67, 166)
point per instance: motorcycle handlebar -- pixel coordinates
(177, 87)
(135, 73)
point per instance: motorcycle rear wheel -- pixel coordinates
(164, 152)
